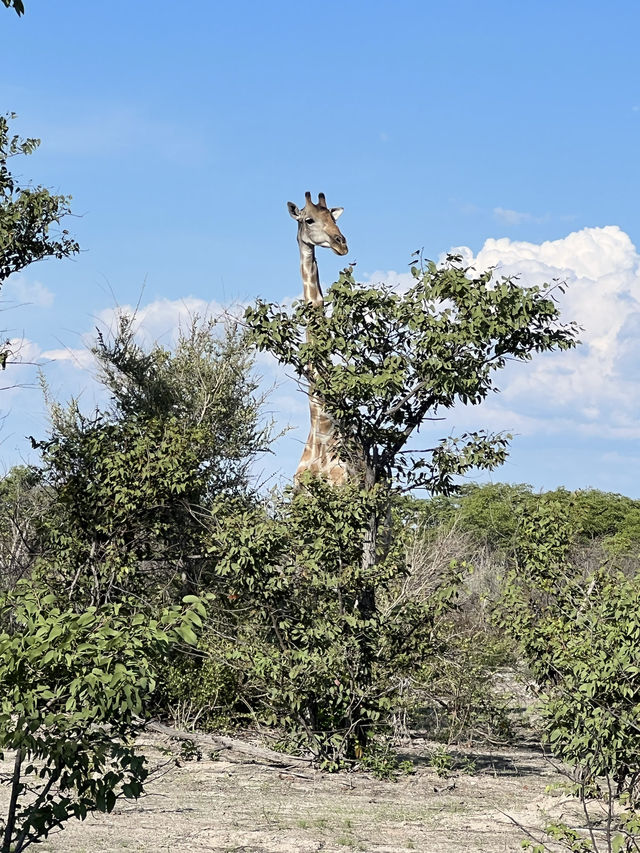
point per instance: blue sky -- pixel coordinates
(182, 130)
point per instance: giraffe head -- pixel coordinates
(317, 224)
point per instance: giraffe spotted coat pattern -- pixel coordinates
(317, 227)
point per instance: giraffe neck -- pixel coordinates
(319, 455)
(311, 289)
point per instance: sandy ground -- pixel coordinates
(219, 805)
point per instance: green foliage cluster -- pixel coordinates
(325, 665)
(147, 499)
(27, 213)
(72, 688)
(492, 514)
(461, 696)
(109, 529)
(382, 363)
(580, 634)
(454, 696)
(203, 687)
(18, 5)
(128, 485)
(119, 489)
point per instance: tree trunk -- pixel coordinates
(13, 803)
(367, 611)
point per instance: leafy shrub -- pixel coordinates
(127, 484)
(580, 636)
(456, 696)
(292, 586)
(72, 690)
(200, 689)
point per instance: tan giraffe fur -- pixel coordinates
(317, 227)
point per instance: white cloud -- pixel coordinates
(77, 357)
(515, 217)
(161, 321)
(18, 289)
(594, 389)
(592, 253)
(401, 281)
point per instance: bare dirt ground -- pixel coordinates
(220, 805)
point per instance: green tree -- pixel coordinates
(72, 690)
(285, 584)
(383, 363)
(128, 485)
(27, 213)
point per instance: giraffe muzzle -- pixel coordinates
(339, 245)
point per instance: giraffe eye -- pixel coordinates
(309, 221)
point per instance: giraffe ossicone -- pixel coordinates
(317, 227)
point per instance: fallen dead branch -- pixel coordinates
(223, 742)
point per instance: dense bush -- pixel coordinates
(125, 487)
(201, 688)
(288, 584)
(22, 506)
(72, 692)
(580, 635)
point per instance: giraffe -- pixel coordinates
(317, 227)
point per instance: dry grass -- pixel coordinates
(215, 805)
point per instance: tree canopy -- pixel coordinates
(27, 213)
(382, 363)
(127, 485)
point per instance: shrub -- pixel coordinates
(580, 636)
(200, 689)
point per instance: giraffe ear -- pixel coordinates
(294, 210)
(336, 212)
